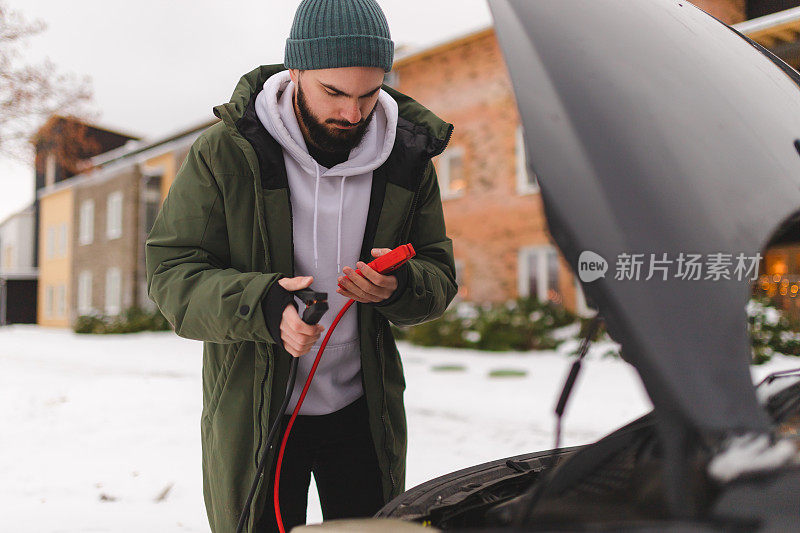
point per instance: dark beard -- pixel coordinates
(322, 137)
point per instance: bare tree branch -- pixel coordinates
(31, 93)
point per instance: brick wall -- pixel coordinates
(468, 86)
(104, 253)
(466, 83)
(728, 11)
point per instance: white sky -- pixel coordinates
(158, 66)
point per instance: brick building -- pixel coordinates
(492, 207)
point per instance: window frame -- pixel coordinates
(86, 222)
(543, 275)
(582, 308)
(84, 306)
(113, 308)
(443, 172)
(49, 301)
(61, 301)
(114, 215)
(50, 242)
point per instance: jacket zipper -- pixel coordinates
(406, 234)
(415, 201)
(379, 346)
(261, 407)
(270, 361)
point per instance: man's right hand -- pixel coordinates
(297, 336)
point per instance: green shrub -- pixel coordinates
(89, 324)
(132, 320)
(448, 368)
(524, 324)
(528, 324)
(771, 330)
(507, 373)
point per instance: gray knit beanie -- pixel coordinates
(339, 33)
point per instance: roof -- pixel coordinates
(137, 147)
(27, 210)
(410, 55)
(106, 165)
(93, 124)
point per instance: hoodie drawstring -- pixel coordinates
(338, 223)
(339, 229)
(316, 209)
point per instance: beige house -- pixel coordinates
(100, 219)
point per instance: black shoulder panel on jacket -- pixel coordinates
(268, 150)
(409, 156)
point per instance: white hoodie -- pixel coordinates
(329, 213)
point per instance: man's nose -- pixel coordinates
(352, 113)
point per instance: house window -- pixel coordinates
(113, 291)
(539, 274)
(582, 308)
(50, 169)
(526, 179)
(49, 301)
(86, 226)
(85, 292)
(9, 259)
(62, 240)
(50, 242)
(61, 300)
(114, 215)
(151, 197)
(450, 171)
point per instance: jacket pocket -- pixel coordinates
(224, 373)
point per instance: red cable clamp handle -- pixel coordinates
(391, 261)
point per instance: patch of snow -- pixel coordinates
(771, 315)
(102, 433)
(569, 331)
(469, 336)
(750, 453)
(466, 310)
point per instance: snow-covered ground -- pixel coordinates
(102, 433)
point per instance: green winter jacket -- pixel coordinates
(224, 236)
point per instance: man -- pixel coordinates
(311, 173)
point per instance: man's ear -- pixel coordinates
(294, 74)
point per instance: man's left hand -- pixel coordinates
(372, 287)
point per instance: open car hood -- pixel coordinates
(654, 128)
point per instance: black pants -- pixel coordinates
(338, 449)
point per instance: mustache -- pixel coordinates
(344, 122)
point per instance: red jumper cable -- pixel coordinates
(383, 265)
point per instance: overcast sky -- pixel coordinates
(158, 66)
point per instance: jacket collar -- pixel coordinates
(431, 132)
